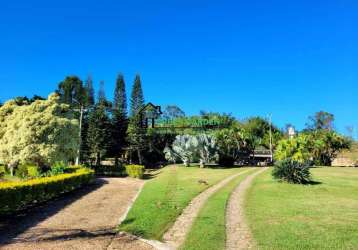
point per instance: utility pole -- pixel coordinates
(80, 136)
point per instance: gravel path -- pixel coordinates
(238, 235)
(83, 219)
(175, 236)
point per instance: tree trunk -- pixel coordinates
(139, 157)
(202, 165)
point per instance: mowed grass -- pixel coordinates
(165, 196)
(208, 231)
(321, 216)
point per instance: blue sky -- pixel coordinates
(288, 58)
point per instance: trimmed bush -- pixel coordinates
(2, 171)
(292, 172)
(135, 171)
(16, 196)
(115, 170)
(27, 171)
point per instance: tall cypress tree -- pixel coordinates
(90, 91)
(137, 97)
(98, 135)
(101, 92)
(136, 134)
(119, 118)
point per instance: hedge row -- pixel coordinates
(15, 196)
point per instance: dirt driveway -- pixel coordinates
(83, 219)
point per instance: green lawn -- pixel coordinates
(208, 231)
(321, 216)
(165, 196)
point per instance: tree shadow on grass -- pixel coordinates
(14, 225)
(313, 183)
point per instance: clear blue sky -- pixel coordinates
(288, 58)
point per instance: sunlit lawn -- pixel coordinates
(164, 197)
(208, 231)
(322, 216)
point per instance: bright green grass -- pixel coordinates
(208, 230)
(164, 197)
(322, 216)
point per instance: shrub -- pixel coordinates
(2, 171)
(111, 170)
(33, 172)
(19, 195)
(292, 171)
(135, 171)
(58, 167)
(22, 171)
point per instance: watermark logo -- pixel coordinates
(152, 117)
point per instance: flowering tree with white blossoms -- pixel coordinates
(43, 132)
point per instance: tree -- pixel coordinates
(321, 121)
(42, 132)
(71, 91)
(136, 133)
(259, 129)
(101, 92)
(232, 142)
(184, 148)
(98, 135)
(296, 148)
(89, 91)
(119, 119)
(172, 112)
(325, 144)
(207, 149)
(137, 97)
(319, 146)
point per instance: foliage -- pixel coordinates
(292, 171)
(184, 148)
(172, 112)
(136, 133)
(324, 145)
(295, 148)
(19, 195)
(320, 146)
(157, 142)
(27, 171)
(71, 91)
(207, 149)
(43, 132)
(259, 130)
(321, 120)
(111, 170)
(137, 97)
(57, 168)
(135, 171)
(119, 117)
(2, 171)
(98, 135)
(233, 142)
(89, 91)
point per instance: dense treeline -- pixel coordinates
(113, 129)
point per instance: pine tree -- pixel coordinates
(101, 92)
(119, 118)
(98, 135)
(137, 98)
(89, 91)
(136, 134)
